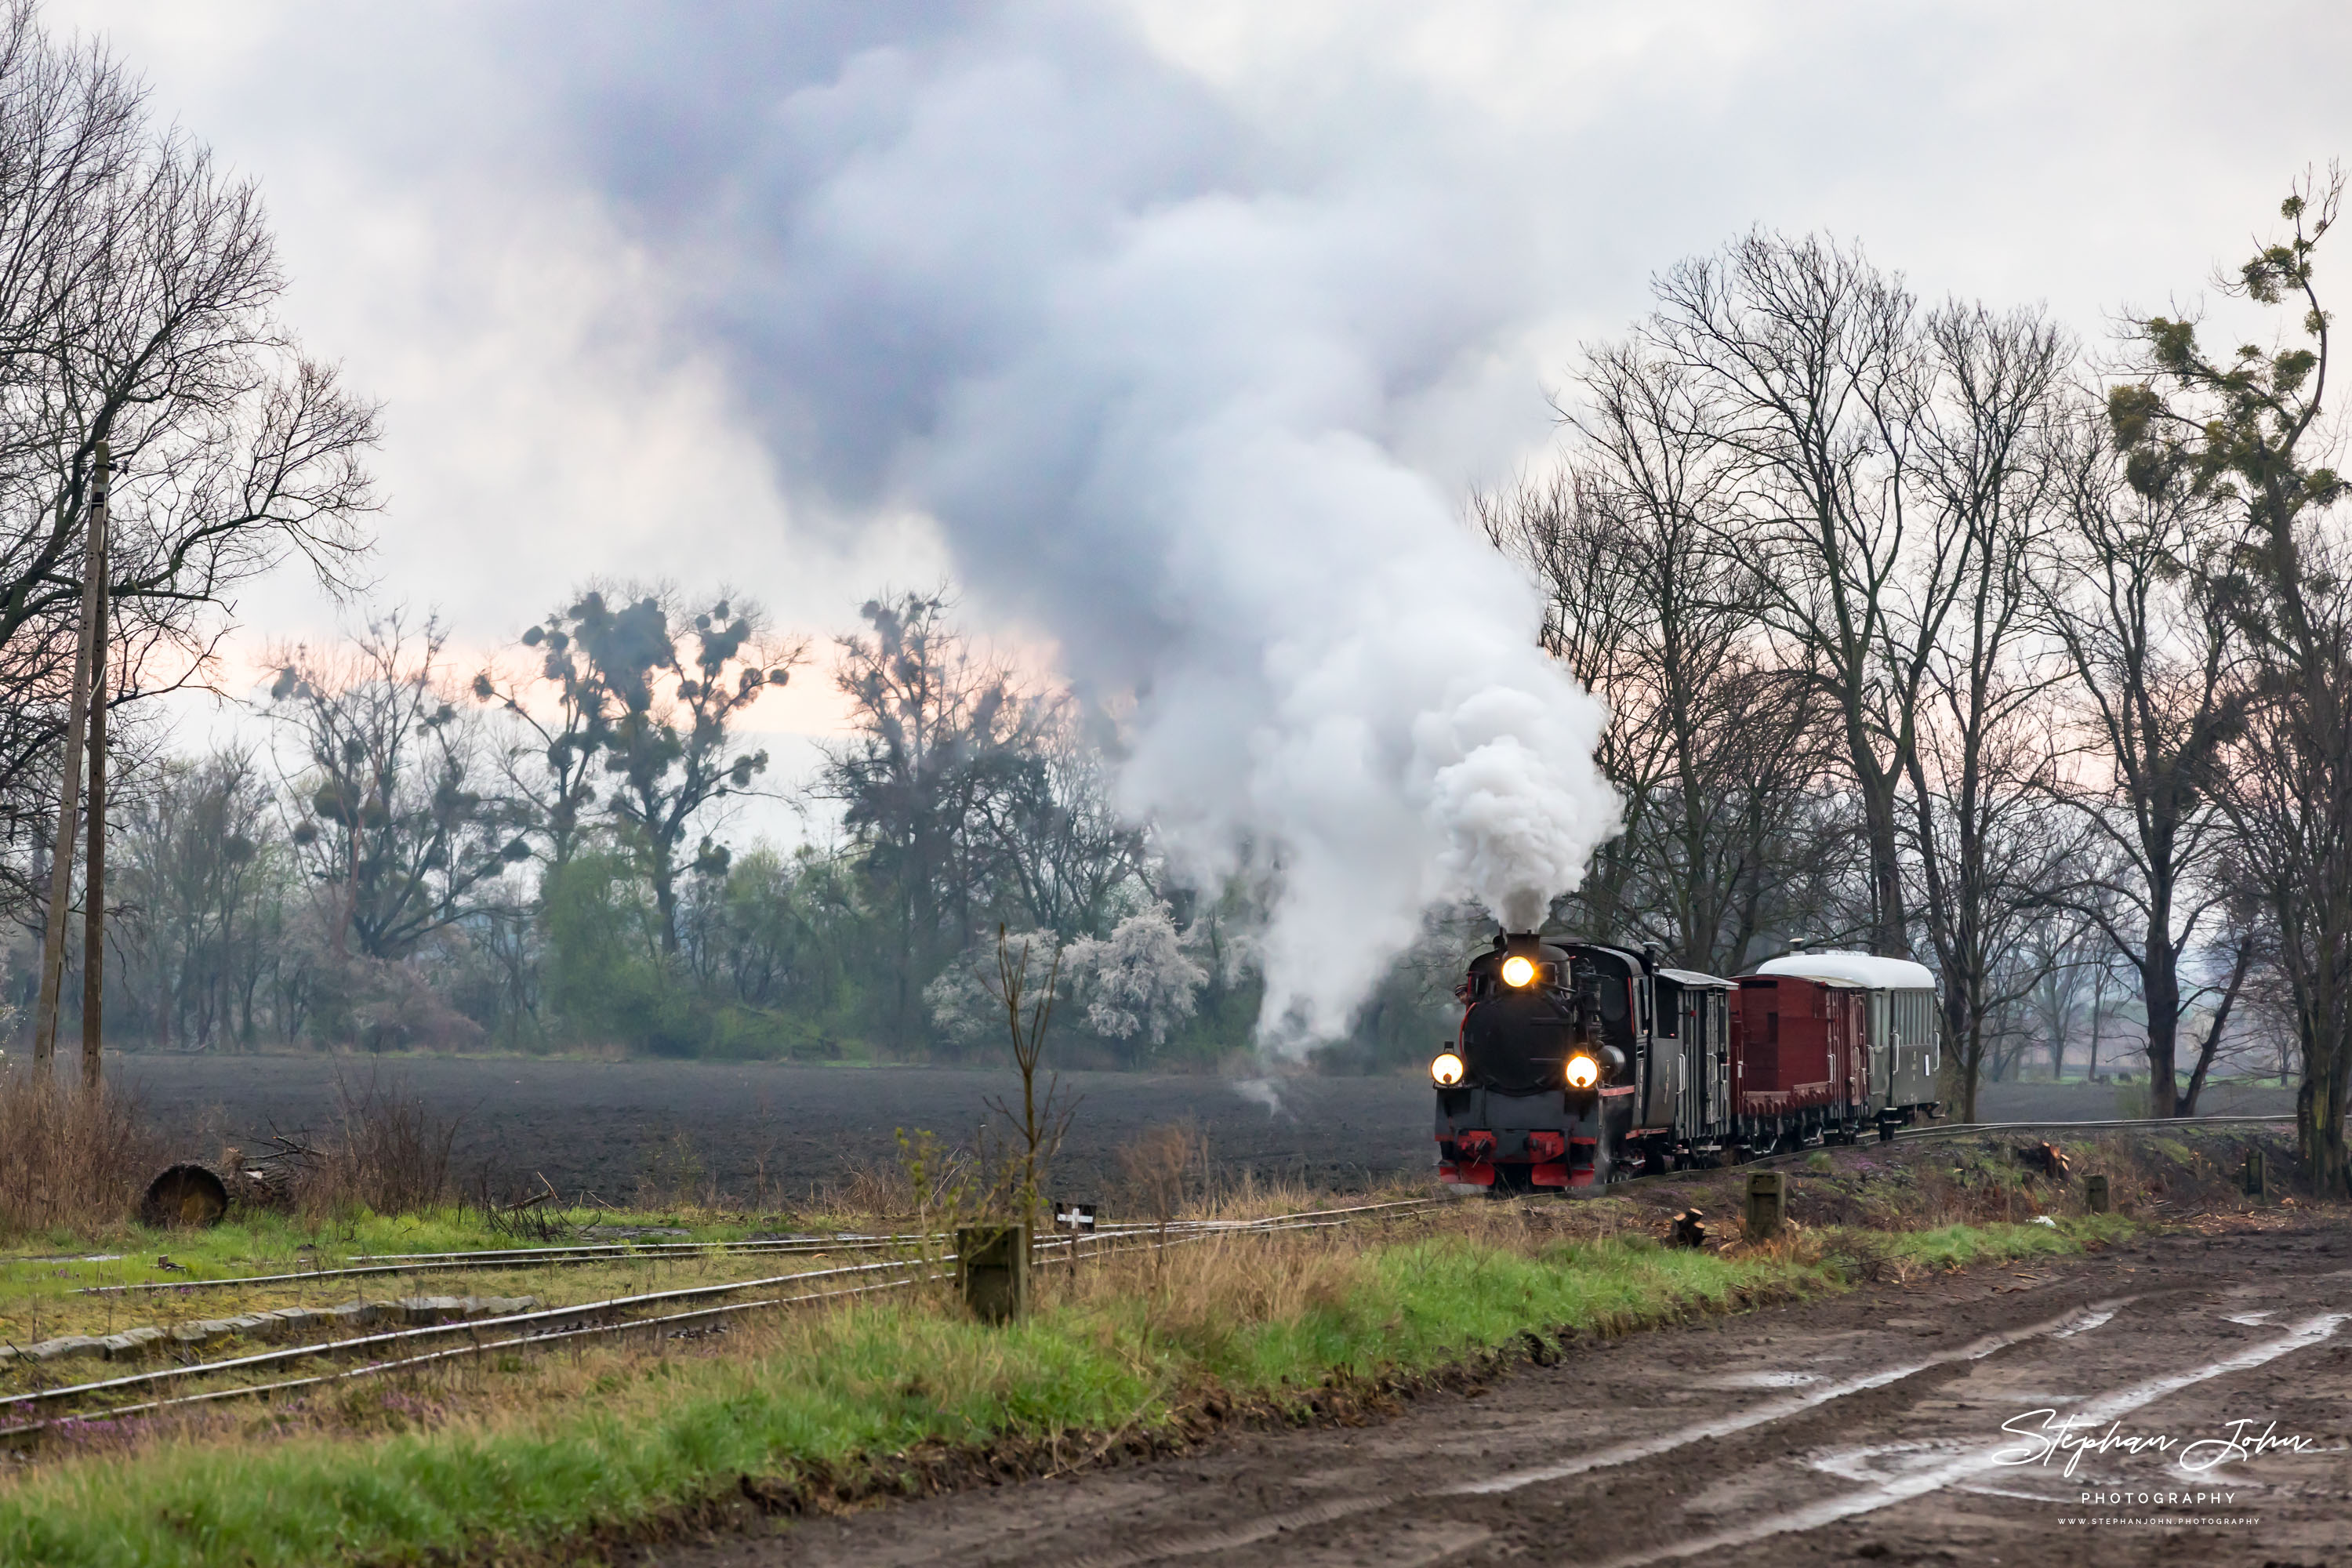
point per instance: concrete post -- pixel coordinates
(2094, 1194)
(1767, 1204)
(992, 1270)
(2257, 1179)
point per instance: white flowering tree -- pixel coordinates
(1141, 981)
(967, 1001)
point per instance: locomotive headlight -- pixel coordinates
(1518, 971)
(1445, 1069)
(1583, 1072)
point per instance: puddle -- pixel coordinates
(1765, 1380)
(2084, 1327)
(2252, 1320)
(1865, 1463)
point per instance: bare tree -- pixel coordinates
(396, 814)
(938, 733)
(1043, 1121)
(2065, 955)
(137, 283)
(652, 691)
(1981, 849)
(204, 885)
(1712, 744)
(2129, 597)
(552, 763)
(2244, 433)
(1075, 862)
(1815, 377)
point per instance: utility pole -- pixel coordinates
(53, 933)
(93, 881)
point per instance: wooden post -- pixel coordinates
(61, 856)
(2257, 1182)
(2094, 1194)
(992, 1270)
(93, 881)
(1767, 1204)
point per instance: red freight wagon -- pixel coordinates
(1799, 1069)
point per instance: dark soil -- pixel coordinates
(762, 1134)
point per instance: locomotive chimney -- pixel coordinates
(1649, 958)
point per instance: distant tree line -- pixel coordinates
(534, 857)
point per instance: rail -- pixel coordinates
(1061, 1249)
(549, 1257)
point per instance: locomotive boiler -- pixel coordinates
(1577, 1063)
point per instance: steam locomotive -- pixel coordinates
(1577, 1063)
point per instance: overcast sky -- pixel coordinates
(613, 269)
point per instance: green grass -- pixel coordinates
(855, 1387)
(41, 1280)
(1966, 1246)
(259, 1241)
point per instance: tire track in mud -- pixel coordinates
(2065, 1326)
(1636, 1450)
(1233, 1537)
(2099, 1412)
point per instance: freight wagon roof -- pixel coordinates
(1695, 981)
(1864, 968)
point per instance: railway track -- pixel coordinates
(623, 1315)
(379, 1265)
(1957, 1130)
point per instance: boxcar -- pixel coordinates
(1905, 1057)
(1800, 1066)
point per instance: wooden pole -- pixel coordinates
(93, 882)
(53, 933)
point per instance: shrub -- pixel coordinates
(69, 1159)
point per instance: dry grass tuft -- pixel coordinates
(1160, 1170)
(69, 1159)
(385, 1152)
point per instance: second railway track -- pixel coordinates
(924, 1254)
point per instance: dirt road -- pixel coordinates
(1927, 1425)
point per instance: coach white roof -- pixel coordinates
(1862, 968)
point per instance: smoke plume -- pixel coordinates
(1156, 376)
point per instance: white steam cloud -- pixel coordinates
(1151, 376)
